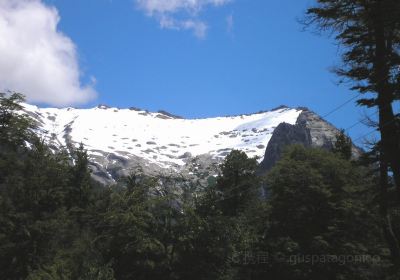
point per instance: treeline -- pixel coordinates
(315, 216)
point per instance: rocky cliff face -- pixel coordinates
(309, 130)
(284, 135)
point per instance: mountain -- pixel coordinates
(119, 141)
(309, 130)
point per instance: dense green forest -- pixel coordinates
(317, 215)
(314, 216)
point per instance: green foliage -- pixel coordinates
(56, 224)
(80, 179)
(37, 221)
(238, 183)
(319, 207)
(368, 32)
(15, 129)
(343, 145)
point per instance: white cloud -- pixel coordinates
(230, 22)
(37, 59)
(198, 27)
(179, 14)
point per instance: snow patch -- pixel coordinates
(130, 132)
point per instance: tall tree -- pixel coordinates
(80, 178)
(15, 128)
(343, 145)
(238, 182)
(369, 32)
(319, 208)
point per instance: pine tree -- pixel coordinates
(238, 182)
(80, 178)
(369, 32)
(343, 145)
(319, 207)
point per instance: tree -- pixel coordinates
(238, 183)
(319, 207)
(80, 178)
(224, 223)
(33, 214)
(16, 132)
(369, 31)
(15, 126)
(385, 197)
(343, 145)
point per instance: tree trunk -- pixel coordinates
(386, 222)
(387, 121)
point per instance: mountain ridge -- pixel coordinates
(121, 140)
(167, 112)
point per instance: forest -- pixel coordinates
(318, 214)
(314, 216)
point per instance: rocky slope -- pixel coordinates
(121, 140)
(310, 130)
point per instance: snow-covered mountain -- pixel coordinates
(119, 140)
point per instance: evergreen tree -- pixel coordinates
(15, 129)
(224, 223)
(238, 183)
(55, 225)
(369, 31)
(80, 178)
(343, 145)
(320, 207)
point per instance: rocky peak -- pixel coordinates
(310, 130)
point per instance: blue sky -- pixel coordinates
(252, 56)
